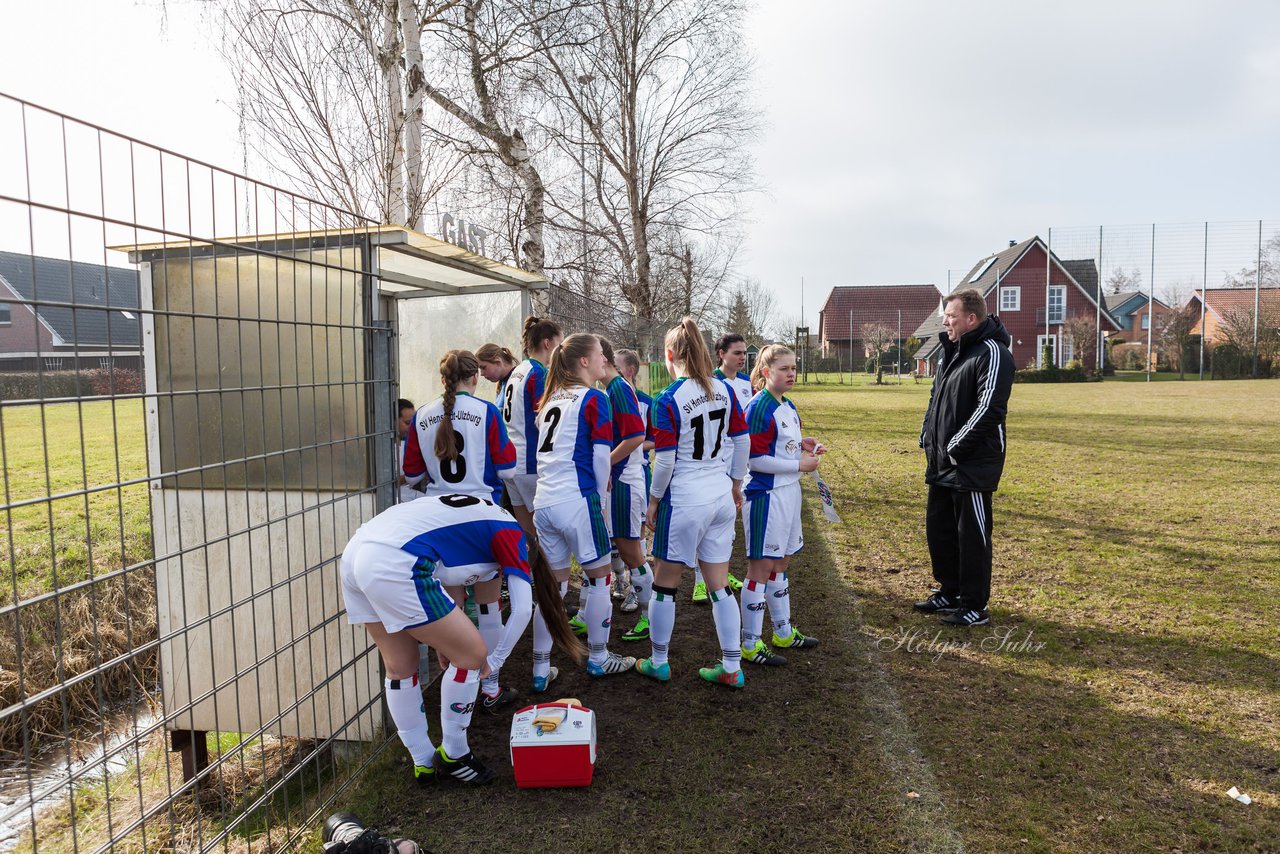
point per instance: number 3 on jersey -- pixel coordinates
(550, 421)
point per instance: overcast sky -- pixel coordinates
(902, 138)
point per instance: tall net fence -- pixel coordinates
(1223, 278)
(195, 393)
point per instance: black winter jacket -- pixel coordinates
(963, 433)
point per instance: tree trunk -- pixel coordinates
(389, 63)
(411, 29)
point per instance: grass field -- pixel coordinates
(1129, 678)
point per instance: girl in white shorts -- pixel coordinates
(771, 514)
(575, 439)
(694, 499)
(394, 573)
(520, 395)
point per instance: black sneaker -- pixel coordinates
(504, 697)
(938, 603)
(467, 769)
(968, 617)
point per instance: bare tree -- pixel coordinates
(1121, 281)
(322, 88)
(1082, 333)
(876, 338)
(649, 100)
(1175, 334)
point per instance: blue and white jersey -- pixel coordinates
(464, 536)
(521, 394)
(697, 428)
(646, 404)
(571, 422)
(627, 424)
(775, 432)
(741, 385)
(481, 439)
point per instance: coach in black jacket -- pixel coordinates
(964, 443)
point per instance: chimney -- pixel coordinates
(1013, 243)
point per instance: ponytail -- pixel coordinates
(607, 349)
(689, 350)
(455, 367)
(536, 330)
(767, 357)
(496, 353)
(563, 370)
(546, 593)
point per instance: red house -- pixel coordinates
(1034, 293)
(894, 306)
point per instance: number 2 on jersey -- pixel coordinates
(550, 422)
(700, 429)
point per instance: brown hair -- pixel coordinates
(607, 349)
(728, 340)
(767, 357)
(563, 370)
(630, 358)
(546, 592)
(456, 366)
(495, 353)
(536, 330)
(971, 302)
(690, 350)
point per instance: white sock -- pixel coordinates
(662, 622)
(542, 639)
(778, 595)
(752, 612)
(404, 701)
(724, 610)
(599, 617)
(642, 584)
(697, 577)
(458, 690)
(490, 618)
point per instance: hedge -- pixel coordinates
(1051, 375)
(98, 382)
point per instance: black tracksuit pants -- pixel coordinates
(958, 527)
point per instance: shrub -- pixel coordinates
(1053, 374)
(40, 386)
(113, 381)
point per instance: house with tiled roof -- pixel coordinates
(58, 315)
(1034, 293)
(848, 308)
(1217, 304)
(1134, 310)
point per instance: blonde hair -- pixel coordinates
(689, 349)
(495, 353)
(767, 357)
(630, 358)
(563, 370)
(455, 367)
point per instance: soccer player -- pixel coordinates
(394, 571)
(496, 364)
(628, 364)
(469, 455)
(575, 439)
(404, 425)
(628, 491)
(520, 396)
(731, 361)
(780, 454)
(696, 421)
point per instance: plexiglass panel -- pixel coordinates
(429, 327)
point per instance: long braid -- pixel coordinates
(455, 367)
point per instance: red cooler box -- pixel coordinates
(565, 756)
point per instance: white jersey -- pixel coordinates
(698, 430)
(742, 390)
(775, 434)
(628, 422)
(462, 535)
(570, 424)
(481, 439)
(521, 394)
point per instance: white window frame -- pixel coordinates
(1146, 322)
(986, 265)
(106, 363)
(1048, 306)
(7, 319)
(1067, 353)
(1016, 292)
(53, 363)
(1040, 342)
